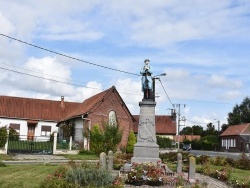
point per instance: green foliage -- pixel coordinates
(96, 139)
(2, 164)
(164, 142)
(172, 156)
(106, 140)
(3, 136)
(131, 142)
(89, 177)
(120, 159)
(243, 162)
(195, 130)
(240, 113)
(196, 144)
(112, 137)
(13, 134)
(209, 142)
(210, 130)
(68, 130)
(86, 152)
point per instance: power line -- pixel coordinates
(58, 81)
(67, 56)
(40, 72)
(77, 59)
(166, 93)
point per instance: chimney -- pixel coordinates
(62, 102)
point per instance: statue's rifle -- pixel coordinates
(146, 79)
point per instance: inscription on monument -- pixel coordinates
(146, 131)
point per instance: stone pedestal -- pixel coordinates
(146, 148)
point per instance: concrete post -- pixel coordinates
(103, 160)
(110, 160)
(191, 169)
(54, 144)
(70, 143)
(6, 144)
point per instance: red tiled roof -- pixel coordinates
(39, 109)
(92, 103)
(86, 106)
(164, 125)
(237, 130)
(34, 109)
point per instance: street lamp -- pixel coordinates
(154, 78)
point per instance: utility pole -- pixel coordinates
(179, 119)
(218, 135)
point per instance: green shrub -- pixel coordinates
(96, 139)
(112, 137)
(131, 142)
(243, 162)
(218, 161)
(2, 164)
(196, 144)
(120, 159)
(164, 142)
(57, 182)
(106, 140)
(172, 156)
(3, 136)
(13, 134)
(89, 177)
(203, 159)
(86, 152)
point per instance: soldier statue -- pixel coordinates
(147, 82)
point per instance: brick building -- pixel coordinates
(39, 117)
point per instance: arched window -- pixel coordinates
(112, 118)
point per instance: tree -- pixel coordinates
(112, 136)
(211, 129)
(240, 113)
(131, 142)
(96, 139)
(195, 130)
(223, 128)
(3, 136)
(186, 131)
(105, 140)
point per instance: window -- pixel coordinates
(112, 118)
(223, 143)
(46, 130)
(234, 142)
(15, 126)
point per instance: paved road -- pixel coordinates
(216, 153)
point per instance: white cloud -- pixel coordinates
(223, 82)
(83, 93)
(6, 25)
(127, 89)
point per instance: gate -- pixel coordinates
(21, 144)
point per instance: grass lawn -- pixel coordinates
(4, 157)
(80, 157)
(24, 176)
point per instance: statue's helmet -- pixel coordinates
(146, 60)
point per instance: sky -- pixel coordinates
(202, 45)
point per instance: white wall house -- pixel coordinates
(33, 118)
(41, 130)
